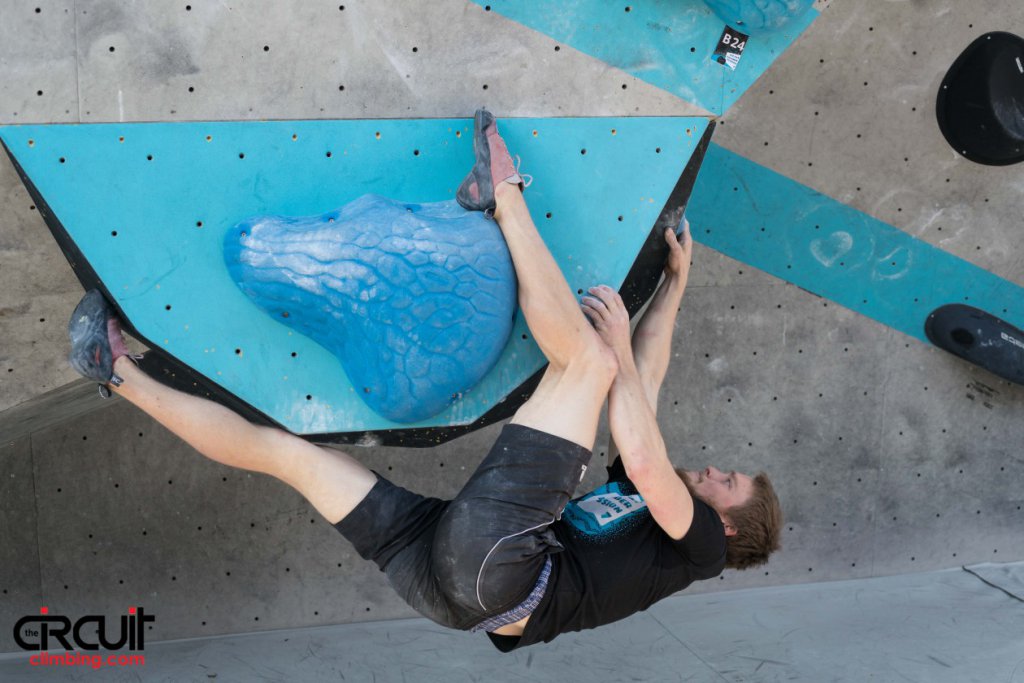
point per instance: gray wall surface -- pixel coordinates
(890, 456)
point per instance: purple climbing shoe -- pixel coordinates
(493, 165)
(96, 340)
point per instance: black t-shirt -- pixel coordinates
(617, 561)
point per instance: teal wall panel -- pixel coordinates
(149, 204)
(668, 43)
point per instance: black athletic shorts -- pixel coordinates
(458, 562)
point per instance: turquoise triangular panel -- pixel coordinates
(148, 206)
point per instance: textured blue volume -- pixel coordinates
(415, 300)
(764, 219)
(668, 43)
(758, 16)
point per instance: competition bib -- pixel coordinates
(604, 510)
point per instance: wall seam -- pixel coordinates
(883, 457)
(992, 584)
(35, 504)
(78, 74)
(689, 649)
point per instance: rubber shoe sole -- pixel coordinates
(91, 355)
(476, 193)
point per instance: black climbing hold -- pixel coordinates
(980, 338)
(980, 106)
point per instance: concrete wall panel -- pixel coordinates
(20, 564)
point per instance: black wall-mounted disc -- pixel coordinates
(980, 106)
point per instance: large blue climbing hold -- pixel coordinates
(759, 16)
(415, 300)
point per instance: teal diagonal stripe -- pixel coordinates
(764, 219)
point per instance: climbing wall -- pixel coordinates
(890, 456)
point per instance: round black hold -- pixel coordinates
(980, 105)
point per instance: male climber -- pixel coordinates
(510, 555)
